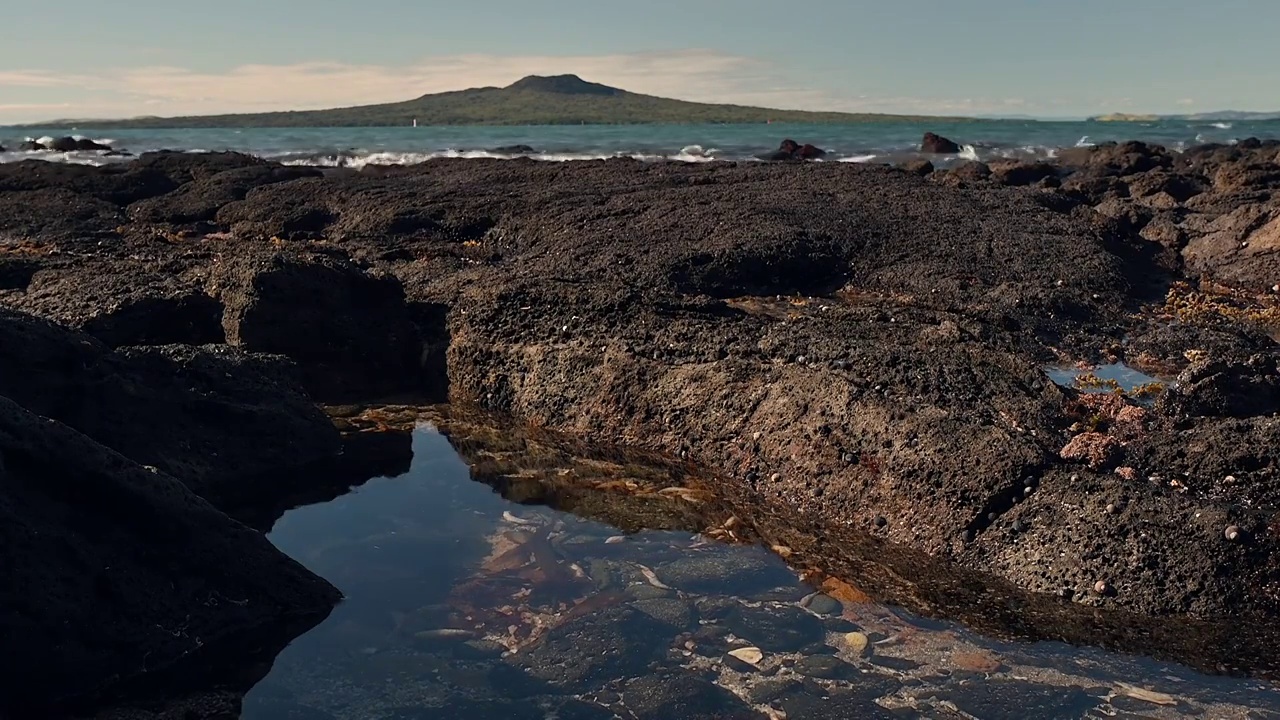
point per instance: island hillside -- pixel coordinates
(534, 100)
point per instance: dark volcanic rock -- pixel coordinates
(792, 150)
(685, 696)
(918, 167)
(1022, 173)
(117, 575)
(1117, 159)
(348, 329)
(938, 145)
(588, 651)
(116, 184)
(125, 303)
(201, 199)
(56, 214)
(218, 419)
(70, 144)
(1239, 387)
(184, 167)
(968, 172)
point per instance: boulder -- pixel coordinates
(71, 144)
(938, 145)
(125, 302)
(965, 173)
(116, 184)
(184, 167)
(514, 150)
(1237, 387)
(116, 577)
(57, 215)
(1018, 173)
(200, 200)
(1117, 159)
(920, 167)
(1094, 190)
(31, 146)
(1241, 248)
(226, 423)
(792, 150)
(349, 329)
(1181, 187)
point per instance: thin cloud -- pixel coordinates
(697, 75)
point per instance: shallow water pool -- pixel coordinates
(463, 604)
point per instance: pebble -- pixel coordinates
(1028, 490)
(775, 477)
(1112, 508)
(850, 459)
(824, 605)
(749, 655)
(856, 643)
(1101, 587)
(881, 521)
(1234, 533)
(615, 540)
(1019, 526)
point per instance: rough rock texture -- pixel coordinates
(848, 347)
(349, 329)
(118, 578)
(224, 422)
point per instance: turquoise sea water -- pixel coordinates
(867, 142)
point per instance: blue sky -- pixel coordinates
(76, 58)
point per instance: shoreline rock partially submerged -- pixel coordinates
(855, 348)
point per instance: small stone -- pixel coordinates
(615, 540)
(775, 477)
(856, 643)
(822, 604)
(881, 521)
(1075, 478)
(1234, 533)
(749, 655)
(755, 436)
(1101, 587)
(1028, 490)
(1112, 508)
(1019, 526)
(850, 459)
(991, 516)
(801, 359)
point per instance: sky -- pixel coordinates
(1045, 58)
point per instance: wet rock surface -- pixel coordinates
(850, 349)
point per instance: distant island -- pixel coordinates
(1218, 116)
(534, 100)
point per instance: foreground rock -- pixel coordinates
(119, 580)
(350, 330)
(230, 425)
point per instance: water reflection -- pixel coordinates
(463, 604)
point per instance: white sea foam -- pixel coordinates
(1084, 142)
(969, 152)
(858, 158)
(1221, 125)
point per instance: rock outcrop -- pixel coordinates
(117, 577)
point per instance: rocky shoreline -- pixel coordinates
(856, 351)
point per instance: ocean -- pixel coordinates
(868, 142)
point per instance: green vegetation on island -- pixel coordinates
(534, 100)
